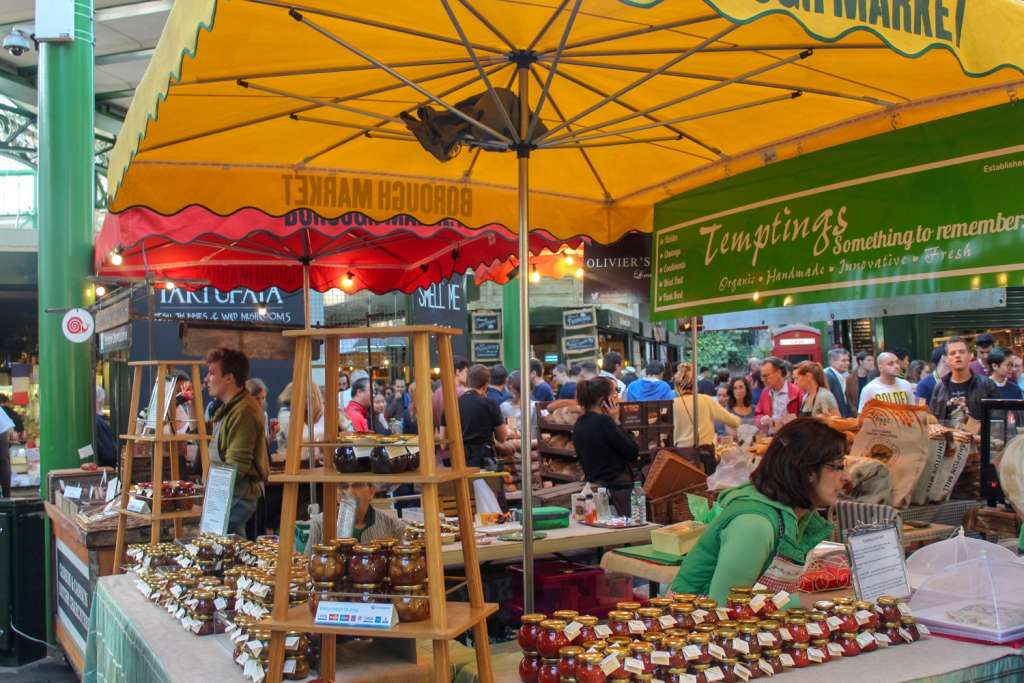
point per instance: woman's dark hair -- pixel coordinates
(915, 370)
(809, 367)
(723, 376)
(590, 393)
(996, 357)
(732, 396)
(800, 449)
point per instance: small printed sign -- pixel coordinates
(356, 615)
(78, 325)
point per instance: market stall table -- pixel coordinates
(574, 537)
(131, 639)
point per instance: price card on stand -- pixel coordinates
(220, 486)
(356, 614)
(877, 561)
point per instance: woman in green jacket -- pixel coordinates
(767, 526)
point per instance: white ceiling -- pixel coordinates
(126, 30)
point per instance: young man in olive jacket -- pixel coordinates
(238, 433)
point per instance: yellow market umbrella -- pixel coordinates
(278, 105)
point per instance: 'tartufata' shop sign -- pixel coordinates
(930, 209)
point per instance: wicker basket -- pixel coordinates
(674, 507)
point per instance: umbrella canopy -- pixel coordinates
(253, 250)
(284, 105)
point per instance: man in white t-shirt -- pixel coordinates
(888, 386)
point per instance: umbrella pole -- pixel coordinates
(696, 378)
(310, 429)
(525, 390)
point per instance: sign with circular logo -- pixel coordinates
(78, 325)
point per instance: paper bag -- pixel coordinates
(937, 447)
(896, 435)
(958, 450)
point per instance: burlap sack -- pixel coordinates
(896, 435)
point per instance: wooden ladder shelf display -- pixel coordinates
(159, 439)
(447, 619)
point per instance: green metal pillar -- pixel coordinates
(510, 323)
(65, 209)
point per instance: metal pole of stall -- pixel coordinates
(310, 417)
(696, 380)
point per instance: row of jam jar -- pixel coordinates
(383, 561)
(252, 649)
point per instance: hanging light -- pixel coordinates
(787, 301)
(115, 258)
(757, 296)
(579, 273)
(569, 260)
(169, 285)
(534, 275)
(100, 290)
(348, 280)
(261, 310)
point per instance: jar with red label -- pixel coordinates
(797, 627)
(568, 660)
(909, 624)
(848, 641)
(892, 629)
(628, 606)
(367, 565)
(674, 648)
(649, 617)
(739, 607)
(529, 667)
(748, 634)
(548, 671)
(773, 658)
(588, 670)
(709, 605)
(587, 624)
(728, 668)
(642, 651)
(819, 620)
(702, 641)
(847, 619)
(798, 651)
(529, 628)
(551, 638)
(865, 611)
(888, 609)
(618, 622)
(751, 662)
(821, 645)
(683, 614)
(723, 638)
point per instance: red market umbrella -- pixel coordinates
(254, 250)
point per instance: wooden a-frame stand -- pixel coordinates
(447, 619)
(159, 439)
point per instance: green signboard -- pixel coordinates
(934, 208)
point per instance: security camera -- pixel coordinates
(17, 42)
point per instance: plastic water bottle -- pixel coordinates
(638, 504)
(603, 504)
(346, 516)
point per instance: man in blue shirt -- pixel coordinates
(496, 391)
(566, 381)
(926, 386)
(541, 389)
(651, 387)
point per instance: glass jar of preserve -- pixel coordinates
(551, 638)
(348, 461)
(367, 565)
(700, 672)
(343, 549)
(798, 651)
(628, 606)
(675, 674)
(819, 645)
(320, 590)
(846, 615)
(739, 607)
(367, 593)
(637, 677)
(618, 622)
(597, 645)
(888, 609)
(797, 627)
(566, 615)
(568, 660)
(324, 564)
(203, 605)
(411, 603)
(674, 648)
(817, 625)
(296, 668)
(728, 668)
(825, 606)
(768, 605)
(587, 624)
(548, 671)
(848, 641)
(867, 642)
(909, 624)
(661, 603)
(384, 460)
(258, 645)
(774, 659)
(709, 606)
(529, 628)
(892, 630)
(683, 613)
(748, 634)
(865, 615)
(649, 617)
(620, 653)
(840, 602)
(642, 651)
(655, 639)
(701, 641)
(408, 566)
(723, 638)
(529, 667)
(386, 545)
(771, 628)
(588, 670)
(619, 641)
(753, 665)
(684, 597)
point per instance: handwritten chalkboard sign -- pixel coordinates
(486, 323)
(579, 318)
(584, 343)
(487, 351)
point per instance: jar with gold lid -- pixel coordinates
(411, 603)
(408, 566)
(529, 629)
(649, 617)
(202, 604)
(324, 564)
(296, 668)
(566, 615)
(367, 565)
(551, 638)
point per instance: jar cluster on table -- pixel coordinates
(379, 454)
(174, 495)
(693, 639)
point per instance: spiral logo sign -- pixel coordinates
(78, 325)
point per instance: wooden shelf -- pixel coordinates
(176, 514)
(558, 476)
(555, 427)
(164, 438)
(323, 475)
(438, 443)
(154, 363)
(372, 332)
(461, 618)
(559, 452)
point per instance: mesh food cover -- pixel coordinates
(980, 599)
(938, 557)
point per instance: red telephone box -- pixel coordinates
(795, 343)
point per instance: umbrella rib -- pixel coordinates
(693, 95)
(509, 126)
(648, 75)
(583, 152)
(339, 124)
(409, 82)
(483, 20)
(320, 103)
(612, 143)
(535, 117)
(763, 84)
(679, 119)
(293, 7)
(546, 26)
(640, 31)
(728, 48)
(625, 105)
(356, 136)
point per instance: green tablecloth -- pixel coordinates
(115, 651)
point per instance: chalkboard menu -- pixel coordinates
(579, 318)
(74, 594)
(584, 343)
(486, 322)
(487, 351)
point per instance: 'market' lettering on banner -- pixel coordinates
(330, 193)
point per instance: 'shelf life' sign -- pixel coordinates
(442, 303)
